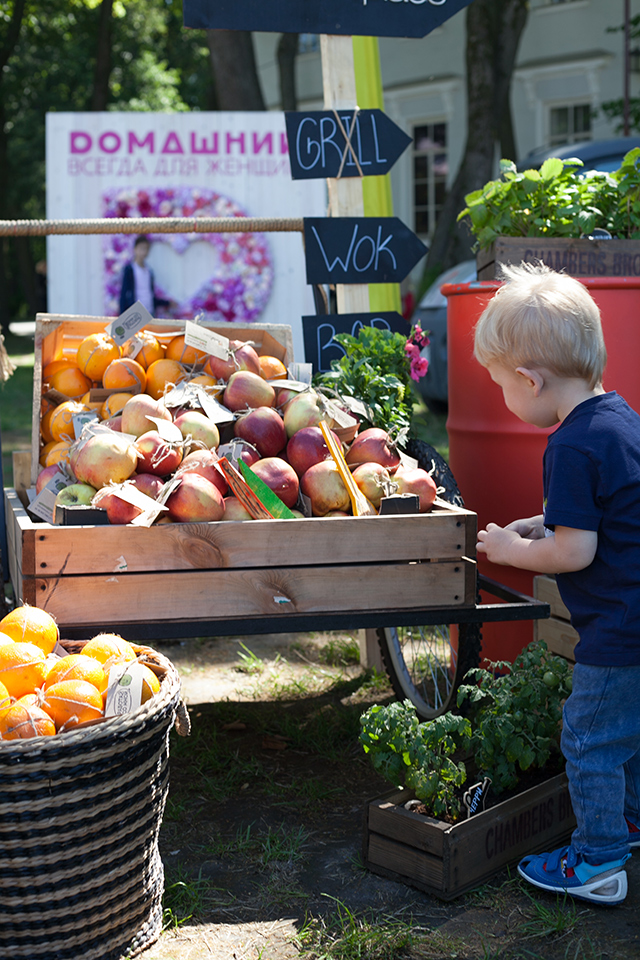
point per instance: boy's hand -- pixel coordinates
(530, 528)
(496, 542)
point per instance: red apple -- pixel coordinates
(45, 475)
(156, 455)
(369, 478)
(205, 463)
(374, 446)
(148, 483)
(243, 357)
(196, 500)
(335, 513)
(105, 458)
(419, 482)
(305, 410)
(325, 488)
(114, 423)
(118, 511)
(307, 447)
(135, 413)
(283, 395)
(233, 510)
(202, 430)
(280, 477)
(264, 429)
(246, 389)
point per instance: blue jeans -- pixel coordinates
(601, 744)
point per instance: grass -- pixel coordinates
(16, 403)
(346, 936)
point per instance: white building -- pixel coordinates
(569, 63)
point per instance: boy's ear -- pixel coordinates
(534, 378)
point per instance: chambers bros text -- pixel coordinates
(220, 152)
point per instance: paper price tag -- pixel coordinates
(124, 691)
(167, 429)
(214, 409)
(298, 385)
(234, 448)
(409, 463)
(301, 371)
(44, 503)
(356, 406)
(134, 346)
(80, 419)
(207, 340)
(340, 416)
(129, 323)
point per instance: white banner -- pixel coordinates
(179, 164)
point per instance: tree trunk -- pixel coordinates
(494, 28)
(287, 53)
(100, 95)
(234, 69)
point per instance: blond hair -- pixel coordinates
(541, 318)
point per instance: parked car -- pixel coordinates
(604, 155)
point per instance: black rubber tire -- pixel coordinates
(421, 663)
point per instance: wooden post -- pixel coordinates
(21, 463)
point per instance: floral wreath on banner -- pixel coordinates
(242, 276)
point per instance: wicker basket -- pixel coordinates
(80, 812)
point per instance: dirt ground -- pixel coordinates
(262, 834)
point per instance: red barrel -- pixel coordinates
(496, 458)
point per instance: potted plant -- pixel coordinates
(452, 843)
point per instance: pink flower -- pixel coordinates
(411, 351)
(419, 367)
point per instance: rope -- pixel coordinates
(42, 228)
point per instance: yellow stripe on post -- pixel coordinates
(378, 201)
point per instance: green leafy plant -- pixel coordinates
(558, 200)
(377, 368)
(516, 715)
(418, 755)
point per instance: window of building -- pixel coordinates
(569, 124)
(430, 169)
(308, 43)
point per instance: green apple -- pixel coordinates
(76, 494)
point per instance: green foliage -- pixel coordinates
(559, 200)
(516, 715)
(418, 755)
(374, 369)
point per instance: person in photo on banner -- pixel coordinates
(138, 282)
(541, 340)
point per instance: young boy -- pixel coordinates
(541, 340)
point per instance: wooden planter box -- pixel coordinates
(579, 258)
(557, 631)
(447, 860)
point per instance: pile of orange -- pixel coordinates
(41, 693)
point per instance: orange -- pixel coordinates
(61, 420)
(58, 452)
(113, 405)
(55, 365)
(272, 369)
(23, 667)
(205, 380)
(178, 350)
(76, 667)
(95, 353)
(24, 720)
(151, 350)
(70, 702)
(45, 451)
(160, 374)
(31, 625)
(5, 699)
(109, 647)
(71, 382)
(124, 374)
(45, 425)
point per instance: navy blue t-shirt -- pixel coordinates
(591, 474)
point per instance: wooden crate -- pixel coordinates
(557, 631)
(578, 258)
(58, 336)
(447, 860)
(99, 575)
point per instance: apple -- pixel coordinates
(419, 482)
(45, 475)
(283, 395)
(76, 494)
(264, 429)
(105, 458)
(202, 430)
(246, 389)
(233, 510)
(280, 477)
(118, 511)
(308, 447)
(148, 483)
(196, 500)
(243, 357)
(369, 478)
(374, 446)
(114, 423)
(156, 455)
(205, 464)
(135, 413)
(305, 410)
(335, 513)
(325, 488)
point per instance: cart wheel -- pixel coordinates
(423, 664)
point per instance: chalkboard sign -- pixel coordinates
(318, 147)
(320, 347)
(363, 18)
(359, 249)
